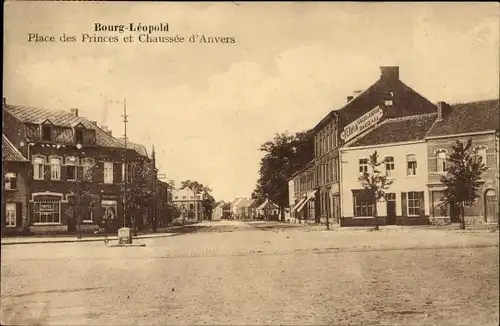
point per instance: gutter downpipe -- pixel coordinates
(340, 172)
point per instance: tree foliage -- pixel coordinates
(141, 191)
(82, 199)
(283, 155)
(375, 184)
(462, 181)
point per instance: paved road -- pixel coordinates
(235, 273)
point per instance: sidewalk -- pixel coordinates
(63, 239)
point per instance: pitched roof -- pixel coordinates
(468, 117)
(140, 149)
(406, 102)
(10, 153)
(396, 130)
(60, 118)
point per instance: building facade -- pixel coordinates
(478, 122)
(402, 150)
(303, 209)
(76, 179)
(190, 207)
(15, 168)
(387, 98)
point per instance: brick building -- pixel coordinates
(76, 178)
(478, 121)
(15, 170)
(387, 98)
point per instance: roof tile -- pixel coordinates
(10, 153)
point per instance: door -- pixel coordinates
(491, 209)
(454, 213)
(391, 209)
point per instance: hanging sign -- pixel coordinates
(361, 124)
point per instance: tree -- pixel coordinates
(82, 199)
(284, 155)
(375, 185)
(208, 205)
(141, 191)
(199, 189)
(463, 177)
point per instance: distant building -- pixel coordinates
(191, 208)
(268, 210)
(218, 212)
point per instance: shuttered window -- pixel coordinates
(38, 168)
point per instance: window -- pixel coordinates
(413, 204)
(47, 212)
(47, 133)
(389, 166)
(176, 197)
(55, 168)
(71, 163)
(109, 207)
(38, 168)
(87, 165)
(390, 197)
(10, 215)
(78, 136)
(108, 172)
(361, 206)
(480, 152)
(10, 181)
(363, 165)
(88, 217)
(411, 164)
(441, 162)
(388, 102)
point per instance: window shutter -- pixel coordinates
(46, 171)
(421, 201)
(404, 207)
(4, 218)
(117, 172)
(64, 171)
(19, 215)
(98, 172)
(432, 164)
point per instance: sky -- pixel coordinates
(207, 107)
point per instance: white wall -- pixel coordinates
(401, 182)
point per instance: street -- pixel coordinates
(230, 272)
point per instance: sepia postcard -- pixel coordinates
(250, 163)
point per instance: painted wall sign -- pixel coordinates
(361, 124)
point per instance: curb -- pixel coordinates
(86, 240)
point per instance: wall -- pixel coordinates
(401, 182)
(18, 195)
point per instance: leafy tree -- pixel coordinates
(83, 199)
(208, 205)
(463, 177)
(375, 185)
(141, 191)
(284, 155)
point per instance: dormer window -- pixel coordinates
(47, 133)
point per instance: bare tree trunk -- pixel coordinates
(462, 216)
(375, 213)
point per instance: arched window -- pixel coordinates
(441, 162)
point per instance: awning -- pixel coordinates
(310, 195)
(297, 204)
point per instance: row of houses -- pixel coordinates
(243, 208)
(413, 137)
(64, 173)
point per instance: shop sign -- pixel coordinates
(361, 124)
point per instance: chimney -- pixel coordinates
(94, 123)
(4, 101)
(389, 72)
(443, 110)
(109, 132)
(356, 93)
(74, 112)
(349, 98)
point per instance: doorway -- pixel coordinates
(391, 208)
(491, 209)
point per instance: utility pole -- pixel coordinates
(125, 175)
